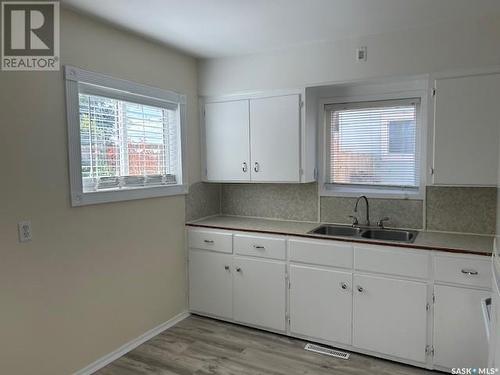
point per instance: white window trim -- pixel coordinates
(141, 93)
(331, 190)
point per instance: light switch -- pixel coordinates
(24, 228)
(361, 53)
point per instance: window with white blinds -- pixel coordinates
(373, 144)
(126, 144)
(125, 139)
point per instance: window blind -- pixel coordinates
(374, 144)
(125, 144)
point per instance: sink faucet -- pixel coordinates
(367, 208)
(380, 223)
(354, 219)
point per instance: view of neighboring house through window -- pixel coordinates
(126, 144)
(402, 136)
(374, 144)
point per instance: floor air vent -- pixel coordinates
(327, 351)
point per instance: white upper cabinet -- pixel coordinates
(259, 139)
(274, 141)
(227, 141)
(466, 126)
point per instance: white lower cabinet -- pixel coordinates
(369, 298)
(321, 303)
(459, 333)
(259, 293)
(390, 316)
(210, 283)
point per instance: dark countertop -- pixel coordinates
(427, 240)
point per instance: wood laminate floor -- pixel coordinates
(202, 346)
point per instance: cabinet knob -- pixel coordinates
(360, 289)
(343, 285)
(238, 269)
(244, 167)
(256, 167)
(259, 247)
(226, 268)
(209, 241)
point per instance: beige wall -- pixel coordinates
(498, 197)
(93, 277)
(466, 44)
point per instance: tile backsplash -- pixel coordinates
(453, 209)
(202, 200)
(402, 213)
(462, 209)
(277, 201)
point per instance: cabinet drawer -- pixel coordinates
(325, 253)
(210, 240)
(463, 270)
(260, 246)
(392, 260)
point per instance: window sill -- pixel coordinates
(84, 199)
(328, 190)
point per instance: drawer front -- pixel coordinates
(260, 246)
(210, 240)
(324, 253)
(462, 270)
(392, 260)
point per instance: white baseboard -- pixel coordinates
(124, 349)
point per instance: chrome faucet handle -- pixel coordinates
(354, 220)
(380, 223)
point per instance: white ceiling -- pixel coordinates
(219, 28)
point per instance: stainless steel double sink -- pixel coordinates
(366, 233)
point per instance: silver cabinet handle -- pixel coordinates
(244, 167)
(470, 272)
(256, 167)
(209, 241)
(259, 247)
(343, 285)
(238, 269)
(360, 289)
(226, 267)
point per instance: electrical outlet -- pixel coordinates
(24, 228)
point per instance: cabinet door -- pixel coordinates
(494, 355)
(321, 303)
(227, 141)
(210, 283)
(459, 332)
(466, 130)
(259, 293)
(390, 316)
(275, 139)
